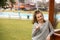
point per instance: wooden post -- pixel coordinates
(51, 11)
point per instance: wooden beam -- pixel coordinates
(51, 11)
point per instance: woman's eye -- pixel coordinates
(40, 16)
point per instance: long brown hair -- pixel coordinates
(34, 16)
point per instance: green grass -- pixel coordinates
(14, 29)
(11, 29)
(58, 25)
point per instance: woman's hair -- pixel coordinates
(34, 16)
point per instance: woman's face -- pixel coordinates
(39, 17)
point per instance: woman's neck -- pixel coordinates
(40, 22)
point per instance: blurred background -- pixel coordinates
(16, 17)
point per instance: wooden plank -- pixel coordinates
(51, 11)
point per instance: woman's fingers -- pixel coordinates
(48, 37)
(38, 27)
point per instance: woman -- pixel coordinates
(41, 28)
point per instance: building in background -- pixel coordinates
(31, 4)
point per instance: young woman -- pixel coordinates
(41, 28)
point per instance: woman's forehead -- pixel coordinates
(39, 14)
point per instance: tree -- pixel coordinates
(3, 3)
(21, 1)
(12, 3)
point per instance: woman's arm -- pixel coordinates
(51, 30)
(35, 29)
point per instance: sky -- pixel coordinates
(57, 1)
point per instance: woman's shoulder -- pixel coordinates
(47, 21)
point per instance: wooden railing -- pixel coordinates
(55, 35)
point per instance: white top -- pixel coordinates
(43, 32)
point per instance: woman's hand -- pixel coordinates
(38, 27)
(48, 37)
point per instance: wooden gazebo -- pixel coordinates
(51, 12)
(56, 35)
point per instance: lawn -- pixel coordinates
(58, 25)
(14, 29)
(11, 29)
